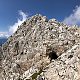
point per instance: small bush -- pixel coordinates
(34, 76)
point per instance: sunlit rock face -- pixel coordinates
(66, 67)
(35, 45)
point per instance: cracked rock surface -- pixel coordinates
(66, 67)
(41, 49)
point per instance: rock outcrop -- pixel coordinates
(66, 67)
(40, 43)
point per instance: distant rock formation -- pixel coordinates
(2, 40)
(39, 49)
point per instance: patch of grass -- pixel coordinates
(34, 76)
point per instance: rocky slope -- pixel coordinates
(40, 49)
(66, 67)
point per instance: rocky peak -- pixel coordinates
(34, 45)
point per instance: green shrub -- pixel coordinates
(34, 76)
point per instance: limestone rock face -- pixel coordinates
(36, 43)
(1, 57)
(66, 67)
(1, 53)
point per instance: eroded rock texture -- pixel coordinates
(66, 67)
(40, 43)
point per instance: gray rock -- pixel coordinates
(36, 44)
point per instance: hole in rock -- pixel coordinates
(70, 56)
(21, 53)
(53, 55)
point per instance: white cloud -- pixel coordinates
(13, 28)
(74, 18)
(20, 20)
(4, 34)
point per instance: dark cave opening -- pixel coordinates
(53, 55)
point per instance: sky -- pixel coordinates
(14, 12)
